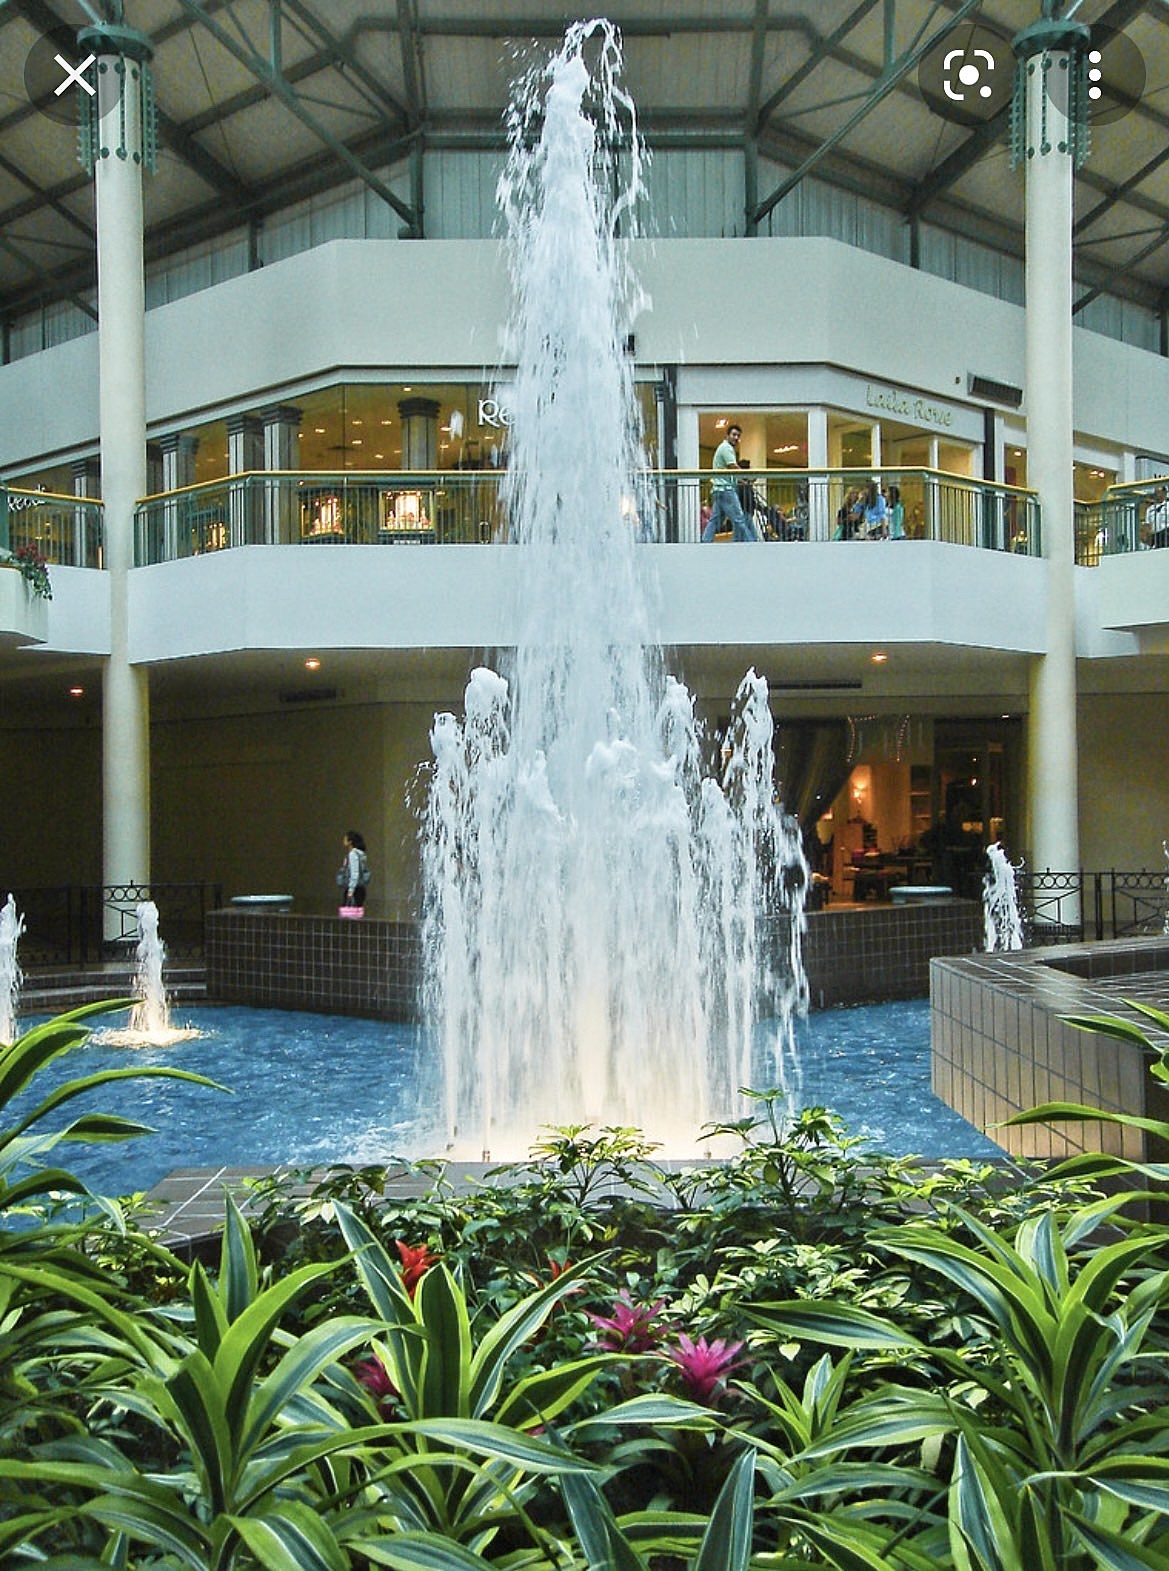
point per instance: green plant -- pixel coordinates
(1059, 1430)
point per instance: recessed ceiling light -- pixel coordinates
(407, 389)
(879, 657)
(356, 421)
(76, 692)
(319, 429)
(379, 455)
(312, 663)
(387, 422)
(357, 441)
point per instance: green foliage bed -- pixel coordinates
(805, 1356)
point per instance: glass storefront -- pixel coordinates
(897, 799)
(382, 426)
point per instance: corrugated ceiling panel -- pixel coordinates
(460, 194)
(695, 194)
(251, 136)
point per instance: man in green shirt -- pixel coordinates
(724, 496)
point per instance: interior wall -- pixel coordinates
(259, 802)
(1124, 780)
(50, 827)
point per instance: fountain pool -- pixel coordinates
(318, 1089)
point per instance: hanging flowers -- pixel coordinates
(34, 569)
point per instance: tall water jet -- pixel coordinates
(600, 921)
(1002, 924)
(11, 927)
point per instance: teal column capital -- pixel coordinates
(1050, 62)
(124, 77)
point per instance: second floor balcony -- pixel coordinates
(445, 507)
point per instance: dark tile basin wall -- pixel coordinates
(1000, 1044)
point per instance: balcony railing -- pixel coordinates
(461, 508)
(1129, 517)
(66, 530)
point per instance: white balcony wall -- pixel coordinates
(382, 308)
(464, 597)
(1133, 592)
(79, 612)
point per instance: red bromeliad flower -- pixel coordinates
(416, 1261)
(371, 1373)
(704, 1365)
(631, 1328)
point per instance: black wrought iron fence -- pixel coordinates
(1062, 908)
(84, 924)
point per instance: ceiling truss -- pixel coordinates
(311, 68)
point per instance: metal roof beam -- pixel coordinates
(822, 49)
(341, 54)
(279, 87)
(30, 262)
(1122, 192)
(885, 84)
(1160, 239)
(980, 140)
(45, 19)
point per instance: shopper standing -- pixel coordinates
(353, 874)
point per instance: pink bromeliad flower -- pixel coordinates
(631, 1328)
(371, 1373)
(704, 1365)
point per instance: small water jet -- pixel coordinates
(11, 927)
(150, 1019)
(604, 926)
(1003, 926)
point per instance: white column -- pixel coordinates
(245, 456)
(820, 510)
(689, 491)
(1053, 797)
(281, 452)
(86, 482)
(178, 471)
(121, 305)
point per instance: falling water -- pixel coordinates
(600, 920)
(11, 927)
(150, 1020)
(1165, 927)
(1003, 926)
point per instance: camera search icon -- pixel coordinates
(969, 75)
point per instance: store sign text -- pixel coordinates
(492, 412)
(919, 410)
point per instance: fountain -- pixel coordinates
(11, 927)
(600, 919)
(150, 1021)
(1000, 902)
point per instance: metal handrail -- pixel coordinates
(68, 531)
(1121, 518)
(80, 924)
(438, 507)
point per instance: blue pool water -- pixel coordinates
(311, 1088)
